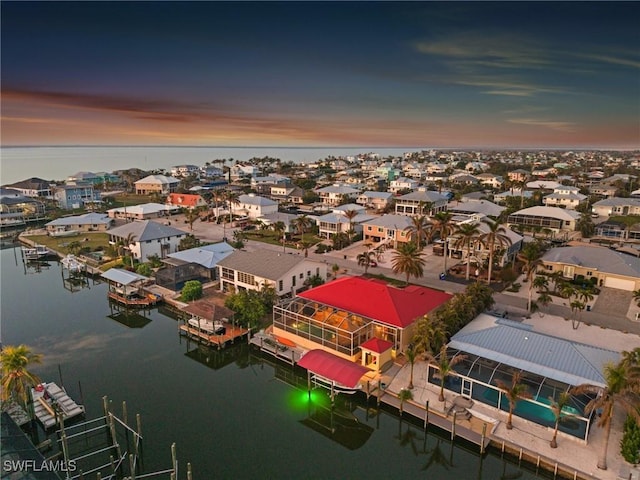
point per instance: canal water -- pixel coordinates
(232, 413)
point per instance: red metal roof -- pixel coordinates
(333, 367)
(378, 300)
(377, 345)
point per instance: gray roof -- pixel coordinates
(87, 219)
(517, 345)
(397, 222)
(423, 196)
(566, 196)
(552, 212)
(161, 179)
(617, 202)
(207, 256)
(382, 195)
(269, 264)
(599, 258)
(337, 189)
(145, 230)
(256, 200)
(477, 206)
(123, 277)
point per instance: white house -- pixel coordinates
(403, 183)
(564, 196)
(553, 218)
(185, 170)
(255, 206)
(375, 200)
(148, 238)
(426, 200)
(336, 193)
(286, 273)
(617, 206)
(156, 184)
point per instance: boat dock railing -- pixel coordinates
(48, 396)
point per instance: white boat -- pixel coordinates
(73, 264)
(36, 252)
(64, 233)
(207, 326)
(337, 387)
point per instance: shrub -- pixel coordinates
(144, 269)
(515, 287)
(192, 290)
(508, 275)
(630, 443)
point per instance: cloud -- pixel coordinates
(566, 127)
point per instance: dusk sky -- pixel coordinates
(453, 74)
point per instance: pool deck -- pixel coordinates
(527, 440)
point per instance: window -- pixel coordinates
(246, 278)
(280, 285)
(301, 275)
(293, 281)
(227, 273)
(308, 273)
(589, 274)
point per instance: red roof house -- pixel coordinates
(185, 200)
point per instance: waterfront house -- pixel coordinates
(285, 272)
(387, 229)
(564, 196)
(494, 348)
(606, 267)
(76, 195)
(199, 263)
(159, 184)
(17, 209)
(185, 170)
(148, 238)
(554, 218)
(421, 202)
(144, 211)
(100, 178)
(32, 187)
(188, 201)
(90, 222)
(286, 194)
(254, 206)
(333, 317)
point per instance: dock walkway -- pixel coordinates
(231, 334)
(269, 344)
(45, 398)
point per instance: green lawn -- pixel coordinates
(61, 244)
(628, 220)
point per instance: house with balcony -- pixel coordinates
(473, 206)
(144, 211)
(491, 180)
(76, 195)
(518, 175)
(159, 184)
(17, 209)
(564, 196)
(403, 183)
(377, 201)
(286, 273)
(334, 195)
(286, 194)
(337, 222)
(554, 218)
(147, 238)
(387, 229)
(255, 206)
(421, 202)
(333, 318)
(32, 187)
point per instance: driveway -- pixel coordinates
(613, 301)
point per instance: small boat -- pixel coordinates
(73, 264)
(337, 387)
(208, 326)
(64, 233)
(36, 252)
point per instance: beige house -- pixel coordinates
(156, 184)
(387, 229)
(609, 268)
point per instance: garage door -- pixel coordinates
(619, 283)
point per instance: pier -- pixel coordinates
(230, 335)
(50, 400)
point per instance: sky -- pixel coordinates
(437, 74)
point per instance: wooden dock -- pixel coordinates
(269, 344)
(231, 334)
(46, 397)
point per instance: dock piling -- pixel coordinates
(484, 434)
(426, 416)
(124, 411)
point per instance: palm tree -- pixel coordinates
(531, 258)
(618, 390)
(404, 395)
(412, 354)
(351, 215)
(514, 392)
(442, 224)
(191, 216)
(429, 335)
(231, 197)
(280, 228)
(576, 308)
(301, 224)
(556, 407)
(365, 259)
(127, 242)
(636, 297)
(445, 366)
(418, 230)
(17, 380)
(407, 259)
(495, 237)
(467, 233)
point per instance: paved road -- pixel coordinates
(515, 305)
